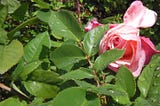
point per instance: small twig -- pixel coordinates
(96, 79)
(5, 87)
(89, 61)
(78, 11)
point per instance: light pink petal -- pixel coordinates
(112, 25)
(148, 19)
(92, 24)
(138, 15)
(149, 48)
(137, 67)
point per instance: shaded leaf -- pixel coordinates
(48, 76)
(41, 89)
(10, 55)
(106, 58)
(142, 102)
(125, 80)
(66, 56)
(92, 39)
(41, 4)
(37, 48)
(80, 73)
(86, 85)
(28, 68)
(44, 16)
(20, 12)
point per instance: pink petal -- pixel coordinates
(149, 48)
(138, 15)
(92, 24)
(137, 67)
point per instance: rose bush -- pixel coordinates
(138, 49)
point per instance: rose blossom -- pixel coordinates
(138, 50)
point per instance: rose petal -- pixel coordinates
(149, 48)
(92, 24)
(137, 67)
(138, 15)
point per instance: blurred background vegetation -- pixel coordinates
(106, 11)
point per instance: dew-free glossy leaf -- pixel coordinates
(41, 89)
(10, 55)
(106, 58)
(125, 80)
(64, 24)
(66, 56)
(92, 39)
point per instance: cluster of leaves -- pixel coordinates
(48, 60)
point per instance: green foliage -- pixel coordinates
(92, 39)
(61, 24)
(75, 96)
(106, 58)
(13, 102)
(48, 60)
(66, 56)
(10, 55)
(125, 79)
(41, 89)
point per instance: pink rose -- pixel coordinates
(138, 50)
(92, 24)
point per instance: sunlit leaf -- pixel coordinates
(125, 80)
(13, 102)
(68, 97)
(64, 24)
(146, 77)
(106, 58)
(92, 39)
(10, 55)
(41, 89)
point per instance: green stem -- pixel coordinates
(28, 22)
